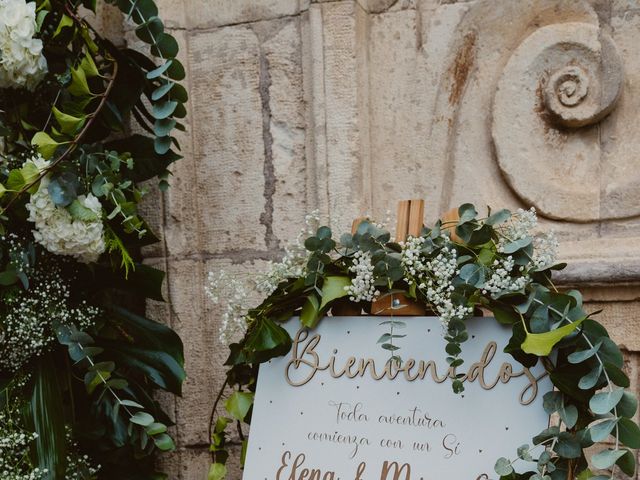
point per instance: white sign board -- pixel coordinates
(335, 408)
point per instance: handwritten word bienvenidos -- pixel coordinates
(305, 363)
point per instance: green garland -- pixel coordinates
(494, 264)
(79, 362)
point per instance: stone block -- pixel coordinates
(229, 148)
(286, 174)
(621, 320)
(189, 464)
(216, 13)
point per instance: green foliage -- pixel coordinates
(548, 326)
(98, 383)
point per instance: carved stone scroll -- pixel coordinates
(561, 78)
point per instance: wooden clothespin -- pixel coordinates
(450, 219)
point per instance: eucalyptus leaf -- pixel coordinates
(162, 144)
(63, 188)
(604, 402)
(503, 467)
(160, 70)
(628, 405)
(629, 433)
(164, 109)
(568, 446)
(163, 127)
(627, 463)
(498, 218)
(142, 418)
(466, 213)
(513, 247)
(590, 380)
(164, 442)
(582, 355)
(606, 458)
(600, 431)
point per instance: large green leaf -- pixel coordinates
(45, 415)
(150, 334)
(158, 366)
(541, 344)
(310, 312)
(239, 404)
(334, 287)
(629, 433)
(269, 338)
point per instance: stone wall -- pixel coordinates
(351, 105)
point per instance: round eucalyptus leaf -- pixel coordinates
(63, 188)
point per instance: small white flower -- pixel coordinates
(22, 64)
(433, 277)
(362, 288)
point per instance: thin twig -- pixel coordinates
(73, 144)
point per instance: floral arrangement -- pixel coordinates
(456, 270)
(79, 363)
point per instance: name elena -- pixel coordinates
(305, 363)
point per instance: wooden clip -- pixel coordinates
(356, 223)
(402, 224)
(451, 218)
(416, 218)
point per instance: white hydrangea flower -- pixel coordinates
(57, 230)
(22, 64)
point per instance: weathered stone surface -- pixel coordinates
(228, 138)
(376, 6)
(340, 157)
(282, 93)
(622, 319)
(192, 464)
(215, 13)
(563, 76)
(351, 105)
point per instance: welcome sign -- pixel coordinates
(336, 408)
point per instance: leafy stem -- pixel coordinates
(73, 144)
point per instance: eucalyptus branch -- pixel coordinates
(604, 371)
(73, 144)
